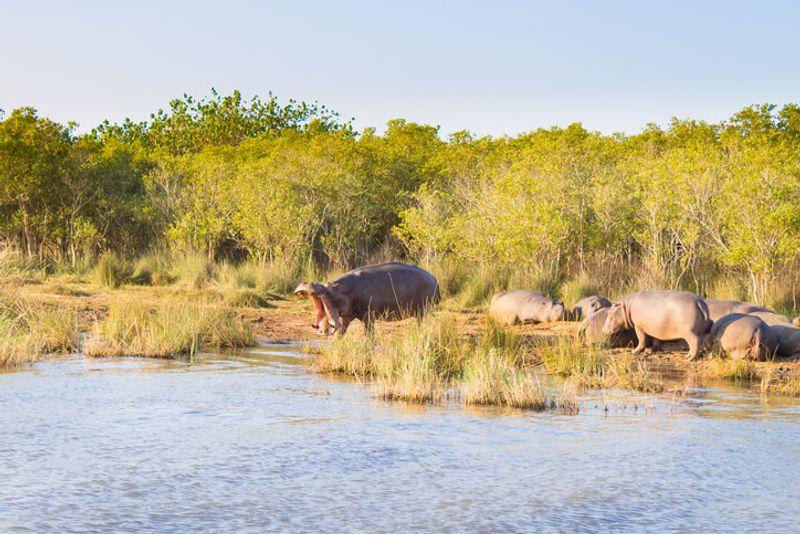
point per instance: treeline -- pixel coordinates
(695, 205)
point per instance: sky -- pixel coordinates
(490, 67)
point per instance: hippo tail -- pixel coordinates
(757, 344)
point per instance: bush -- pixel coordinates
(195, 272)
(152, 270)
(112, 271)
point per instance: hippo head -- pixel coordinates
(329, 304)
(554, 310)
(616, 320)
(587, 306)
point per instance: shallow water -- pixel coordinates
(253, 442)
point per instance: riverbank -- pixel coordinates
(288, 319)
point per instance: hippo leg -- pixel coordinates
(656, 346)
(345, 325)
(369, 323)
(642, 337)
(694, 346)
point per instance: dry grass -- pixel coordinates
(29, 330)
(166, 329)
(738, 370)
(589, 367)
(491, 378)
(431, 361)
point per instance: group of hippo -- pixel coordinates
(394, 291)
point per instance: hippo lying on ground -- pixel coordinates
(587, 306)
(662, 316)
(743, 336)
(590, 332)
(796, 321)
(772, 318)
(788, 340)
(526, 306)
(390, 291)
(720, 308)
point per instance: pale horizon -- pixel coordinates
(492, 69)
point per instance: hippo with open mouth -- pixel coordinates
(391, 291)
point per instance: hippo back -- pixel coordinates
(772, 318)
(390, 290)
(720, 308)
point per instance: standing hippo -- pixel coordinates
(587, 306)
(662, 316)
(772, 318)
(743, 336)
(390, 291)
(590, 332)
(788, 340)
(525, 306)
(720, 308)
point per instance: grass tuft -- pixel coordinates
(112, 271)
(491, 378)
(166, 330)
(30, 330)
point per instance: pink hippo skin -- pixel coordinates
(788, 340)
(662, 316)
(743, 336)
(587, 306)
(389, 291)
(720, 308)
(526, 306)
(590, 332)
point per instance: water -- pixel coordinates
(253, 442)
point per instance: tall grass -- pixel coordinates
(194, 271)
(165, 330)
(431, 361)
(112, 271)
(152, 269)
(492, 378)
(578, 288)
(30, 330)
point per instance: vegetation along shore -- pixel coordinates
(190, 231)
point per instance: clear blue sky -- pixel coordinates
(490, 67)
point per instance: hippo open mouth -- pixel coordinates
(326, 315)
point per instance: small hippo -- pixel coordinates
(796, 321)
(526, 306)
(720, 308)
(788, 340)
(587, 306)
(771, 318)
(743, 336)
(662, 316)
(590, 332)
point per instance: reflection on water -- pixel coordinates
(252, 441)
